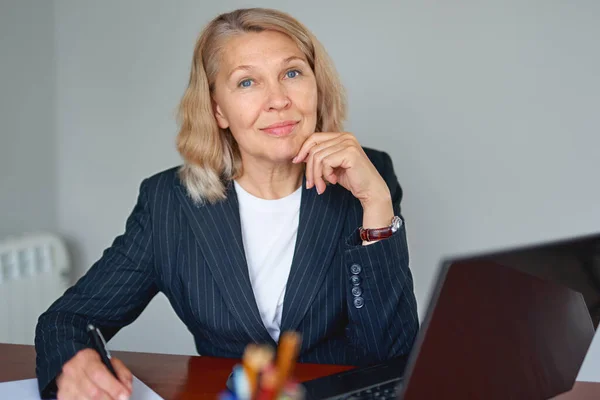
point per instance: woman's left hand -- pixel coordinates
(339, 158)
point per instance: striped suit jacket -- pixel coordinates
(353, 304)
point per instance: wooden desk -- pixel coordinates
(171, 376)
(193, 377)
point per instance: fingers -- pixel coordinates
(89, 390)
(86, 377)
(73, 383)
(104, 379)
(314, 140)
(318, 152)
(315, 148)
(331, 155)
(325, 161)
(125, 376)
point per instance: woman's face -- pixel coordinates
(266, 94)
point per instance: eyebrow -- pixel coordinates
(250, 67)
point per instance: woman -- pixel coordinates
(276, 221)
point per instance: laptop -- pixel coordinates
(493, 330)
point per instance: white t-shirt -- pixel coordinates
(269, 230)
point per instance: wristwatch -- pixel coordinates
(369, 235)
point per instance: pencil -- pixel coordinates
(287, 353)
(249, 367)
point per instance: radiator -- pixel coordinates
(34, 271)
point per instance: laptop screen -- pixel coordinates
(512, 324)
(574, 263)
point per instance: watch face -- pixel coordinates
(396, 223)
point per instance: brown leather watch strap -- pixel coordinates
(368, 235)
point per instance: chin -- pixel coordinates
(282, 157)
(286, 150)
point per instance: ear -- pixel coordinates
(220, 117)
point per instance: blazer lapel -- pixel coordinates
(321, 221)
(218, 232)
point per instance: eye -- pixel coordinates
(245, 83)
(292, 73)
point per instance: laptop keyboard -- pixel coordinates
(384, 391)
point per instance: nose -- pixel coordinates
(277, 97)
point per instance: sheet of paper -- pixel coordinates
(27, 389)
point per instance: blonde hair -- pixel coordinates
(211, 155)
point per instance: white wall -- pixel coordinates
(27, 118)
(490, 112)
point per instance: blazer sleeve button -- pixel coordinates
(359, 302)
(355, 269)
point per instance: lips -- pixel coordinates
(279, 129)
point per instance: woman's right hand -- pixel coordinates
(85, 377)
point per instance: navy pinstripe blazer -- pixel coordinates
(353, 304)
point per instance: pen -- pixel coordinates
(100, 346)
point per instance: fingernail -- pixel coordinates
(123, 396)
(295, 160)
(318, 190)
(308, 184)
